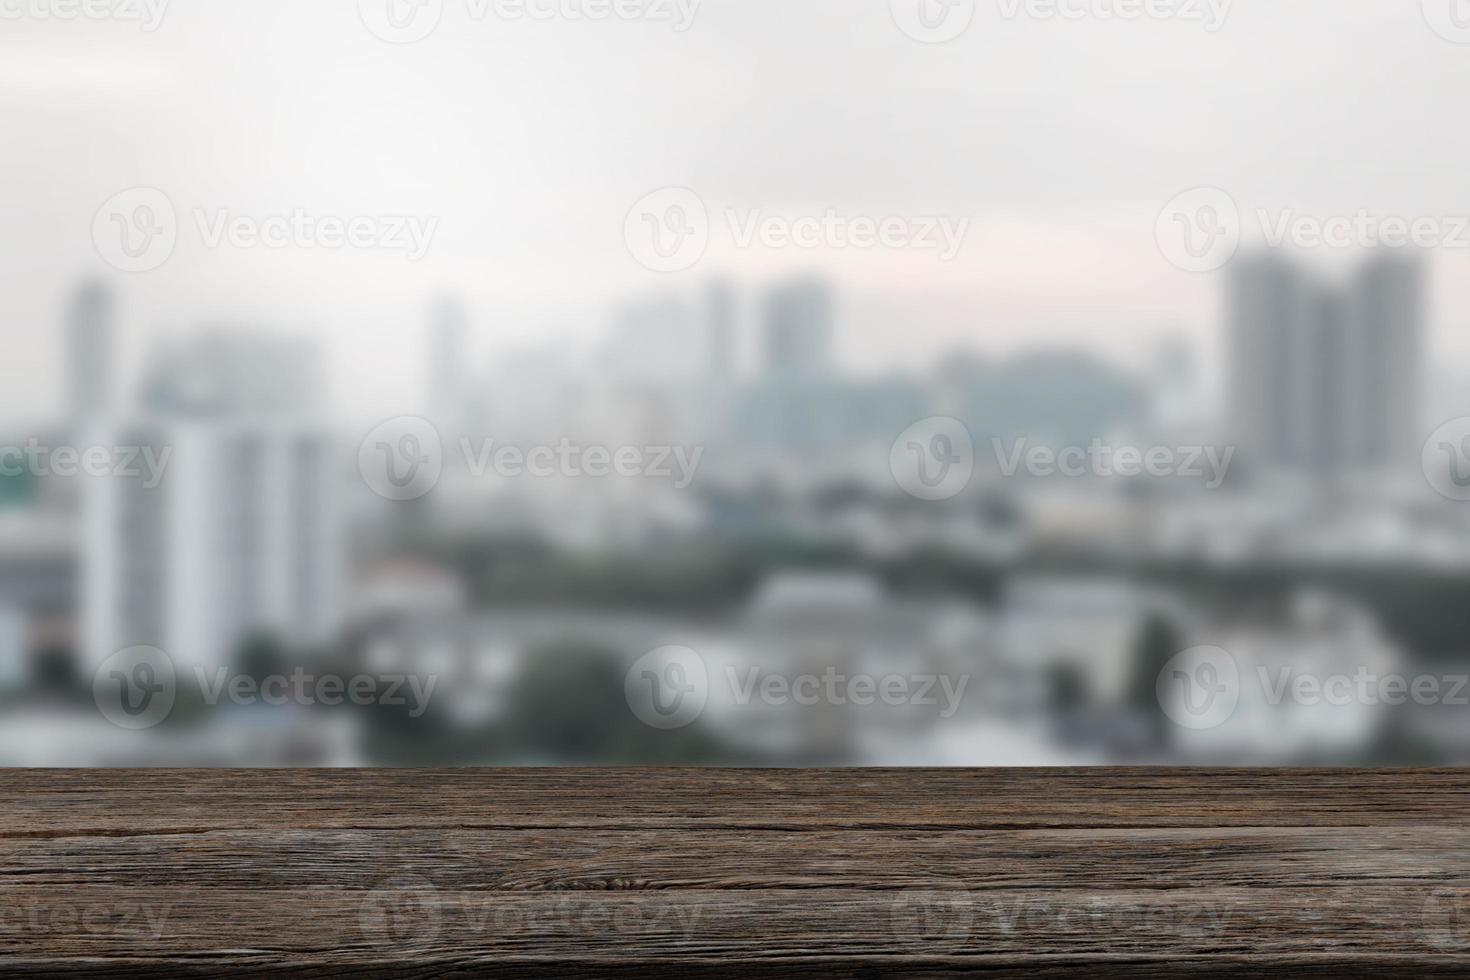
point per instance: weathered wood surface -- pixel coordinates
(855, 873)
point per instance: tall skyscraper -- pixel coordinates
(800, 328)
(1325, 379)
(90, 353)
(240, 535)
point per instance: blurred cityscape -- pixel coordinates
(646, 551)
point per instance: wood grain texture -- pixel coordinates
(852, 873)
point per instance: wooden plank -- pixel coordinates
(684, 873)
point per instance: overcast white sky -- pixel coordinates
(1061, 140)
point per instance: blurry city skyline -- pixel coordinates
(1062, 172)
(1102, 372)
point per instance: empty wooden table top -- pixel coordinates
(860, 873)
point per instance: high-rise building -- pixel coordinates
(240, 535)
(800, 328)
(1325, 379)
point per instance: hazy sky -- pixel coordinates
(530, 140)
